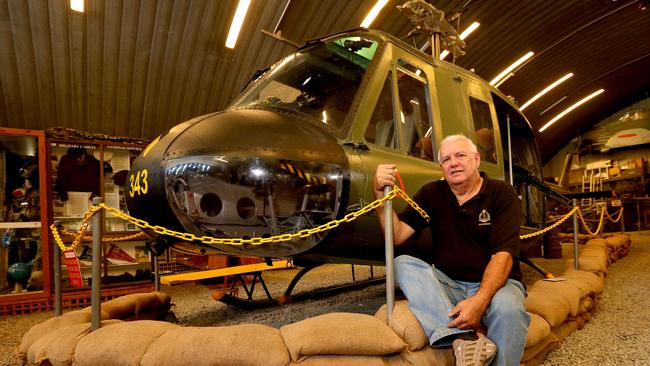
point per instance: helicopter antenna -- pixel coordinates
(431, 21)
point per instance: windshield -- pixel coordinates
(320, 81)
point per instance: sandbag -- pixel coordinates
(120, 344)
(551, 306)
(538, 330)
(137, 306)
(41, 329)
(566, 290)
(565, 329)
(343, 360)
(57, 347)
(340, 334)
(535, 354)
(429, 356)
(592, 265)
(595, 283)
(597, 242)
(238, 345)
(405, 324)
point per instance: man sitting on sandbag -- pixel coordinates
(475, 275)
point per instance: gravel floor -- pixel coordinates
(618, 334)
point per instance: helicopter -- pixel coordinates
(298, 148)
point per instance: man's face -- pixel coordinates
(458, 163)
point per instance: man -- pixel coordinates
(475, 276)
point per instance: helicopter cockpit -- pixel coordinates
(319, 81)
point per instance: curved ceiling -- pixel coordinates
(138, 67)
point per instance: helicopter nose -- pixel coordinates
(253, 173)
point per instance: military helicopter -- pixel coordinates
(299, 147)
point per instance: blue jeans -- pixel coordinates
(432, 295)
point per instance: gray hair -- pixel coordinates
(454, 138)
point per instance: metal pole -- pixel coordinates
(58, 303)
(388, 240)
(96, 302)
(512, 179)
(156, 273)
(575, 236)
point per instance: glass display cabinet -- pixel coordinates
(24, 240)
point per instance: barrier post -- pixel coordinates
(622, 219)
(96, 302)
(388, 241)
(575, 236)
(58, 308)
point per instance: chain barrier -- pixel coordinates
(208, 240)
(211, 241)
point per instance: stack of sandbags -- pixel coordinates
(55, 339)
(618, 246)
(582, 238)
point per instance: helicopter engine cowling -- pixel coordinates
(246, 173)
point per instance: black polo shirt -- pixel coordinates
(465, 237)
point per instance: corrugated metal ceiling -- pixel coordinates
(138, 67)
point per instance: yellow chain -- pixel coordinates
(237, 241)
(395, 192)
(548, 228)
(600, 224)
(620, 214)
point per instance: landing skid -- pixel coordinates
(231, 297)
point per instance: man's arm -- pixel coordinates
(469, 312)
(385, 176)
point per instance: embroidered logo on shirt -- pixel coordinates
(484, 218)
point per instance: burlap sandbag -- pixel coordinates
(538, 330)
(551, 306)
(340, 334)
(136, 306)
(597, 242)
(595, 283)
(535, 354)
(41, 329)
(589, 264)
(343, 360)
(238, 345)
(120, 344)
(569, 292)
(565, 329)
(57, 347)
(597, 253)
(405, 324)
(429, 356)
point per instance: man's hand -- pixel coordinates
(468, 313)
(384, 176)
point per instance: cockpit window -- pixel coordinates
(320, 81)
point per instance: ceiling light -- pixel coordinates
(237, 22)
(510, 68)
(564, 112)
(463, 35)
(372, 14)
(77, 5)
(504, 79)
(546, 90)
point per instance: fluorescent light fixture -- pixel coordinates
(546, 90)
(504, 79)
(77, 5)
(237, 22)
(472, 27)
(372, 14)
(324, 116)
(564, 112)
(510, 68)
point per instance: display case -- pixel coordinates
(80, 171)
(24, 240)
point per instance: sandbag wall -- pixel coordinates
(563, 305)
(558, 308)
